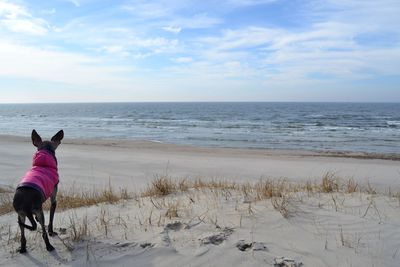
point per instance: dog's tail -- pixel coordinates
(31, 219)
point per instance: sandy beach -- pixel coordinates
(214, 226)
(132, 164)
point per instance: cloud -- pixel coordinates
(139, 48)
(12, 11)
(18, 19)
(329, 46)
(117, 39)
(157, 44)
(183, 59)
(27, 62)
(371, 15)
(75, 3)
(118, 50)
(241, 39)
(172, 29)
(323, 52)
(249, 2)
(148, 10)
(33, 27)
(198, 21)
(49, 11)
(176, 14)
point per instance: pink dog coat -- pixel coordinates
(44, 174)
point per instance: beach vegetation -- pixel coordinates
(6, 205)
(329, 183)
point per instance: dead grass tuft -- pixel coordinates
(74, 198)
(370, 190)
(281, 204)
(6, 204)
(351, 186)
(172, 211)
(4, 190)
(213, 184)
(270, 188)
(183, 185)
(78, 230)
(330, 183)
(162, 186)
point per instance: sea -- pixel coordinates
(339, 127)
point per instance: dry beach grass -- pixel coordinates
(164, 185)
(71, 198)
(192, 214)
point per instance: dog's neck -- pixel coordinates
(48, 148)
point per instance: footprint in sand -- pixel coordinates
(217, 238)
(175, 226)
(254, 246)
(286, 262)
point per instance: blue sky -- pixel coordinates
(175, 50)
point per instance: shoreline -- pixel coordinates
(184, 147)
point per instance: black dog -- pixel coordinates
(36, 186)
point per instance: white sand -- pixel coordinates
(207, 231)
(334, 229)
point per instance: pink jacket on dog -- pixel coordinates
(44, 174)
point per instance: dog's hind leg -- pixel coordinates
(34, 225)
(21, 222)
(53, 206)
(30, 228)
(40, 217)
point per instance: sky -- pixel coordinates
(180, 50)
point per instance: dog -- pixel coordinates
(38, 184)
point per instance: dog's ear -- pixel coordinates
(36, 139)
(58, 137)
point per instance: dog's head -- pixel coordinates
(50, 146)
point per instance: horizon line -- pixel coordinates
(161, 102)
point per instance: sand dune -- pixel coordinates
(219, 227)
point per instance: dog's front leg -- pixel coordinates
(53, 206)
(40, 217)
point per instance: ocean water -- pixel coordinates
(353, 127)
